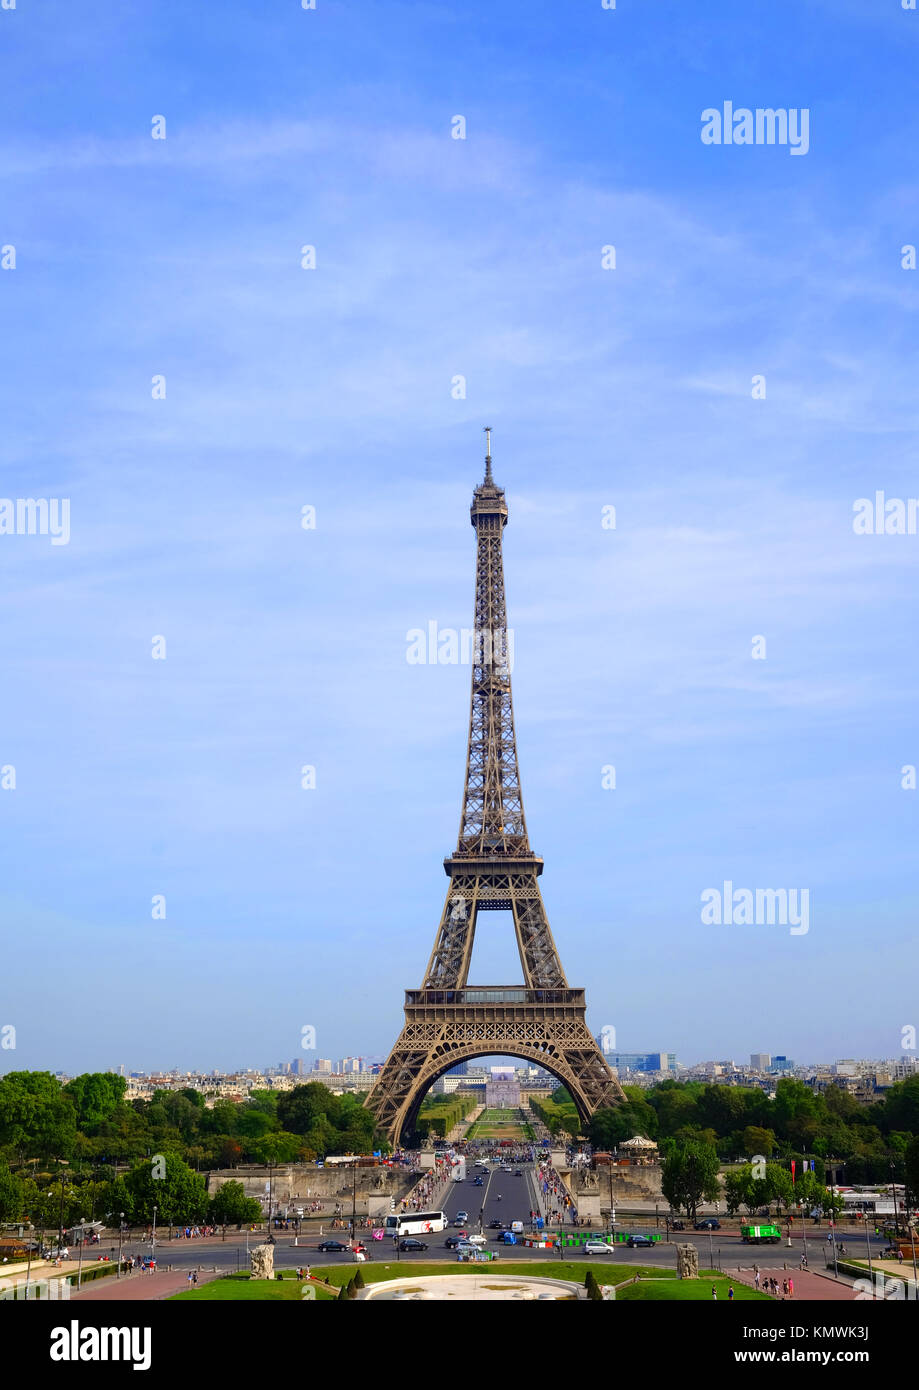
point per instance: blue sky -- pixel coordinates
(332, 388)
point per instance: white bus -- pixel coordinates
(415, 1223)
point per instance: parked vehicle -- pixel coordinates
(639, 1240)
(708, 1223)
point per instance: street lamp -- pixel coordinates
(62, 1163)
(153, 1244)
(120, 1238)
(82, 1238)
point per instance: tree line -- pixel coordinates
(80, 1150)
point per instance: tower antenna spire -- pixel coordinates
(488, 477)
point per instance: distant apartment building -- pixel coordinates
(640, 1061)
(760, 1061)
(323, 1064)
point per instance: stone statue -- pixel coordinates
(589, 1181)
(687, 1262)
(262, 1257)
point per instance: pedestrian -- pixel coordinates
(784, 1288)
(714, 1293)
(731, 1294)
(791, 1287)
(756, 1280)
(194, 1278)
(188, 1278)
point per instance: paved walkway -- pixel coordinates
(810, 1287)
(138, 1287)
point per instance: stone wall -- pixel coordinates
(298, 1184)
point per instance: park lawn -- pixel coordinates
(686, 1290)
(240, 1287)
(500, 1124)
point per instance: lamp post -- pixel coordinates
(82, 1238)
(62, 1162)
(868, 1239)
(29, 1262)
(153, 1245)
(893, 1193)
(120, 1239)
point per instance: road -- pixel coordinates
(506, 1198)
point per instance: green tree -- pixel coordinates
(178, 1193)
(36, 1118)
(689, 1175)
(12, 1195)
(276, 1148)
(96, 1095)
(230, 1205)
(757, 1140)
(901, 1110)
(299, 1110)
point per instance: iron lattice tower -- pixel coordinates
(492, 869)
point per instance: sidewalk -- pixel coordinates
(139, 1287)
(809, 1286)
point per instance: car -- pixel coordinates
(461, 1218)
(477, 1182)
(476, 1240)
(595, 1247)
(467, 1246)
(518, 1174)
(453, 1241)
(507, 1238)
(410, 1243)
(496, 1225)
(331, 1246)
(638, 1240)
(708, 1223)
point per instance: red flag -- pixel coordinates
(792, 1171)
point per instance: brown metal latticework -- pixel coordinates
(494, 869)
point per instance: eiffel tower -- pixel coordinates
(492, 869)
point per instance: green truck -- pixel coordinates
(760, 1235)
